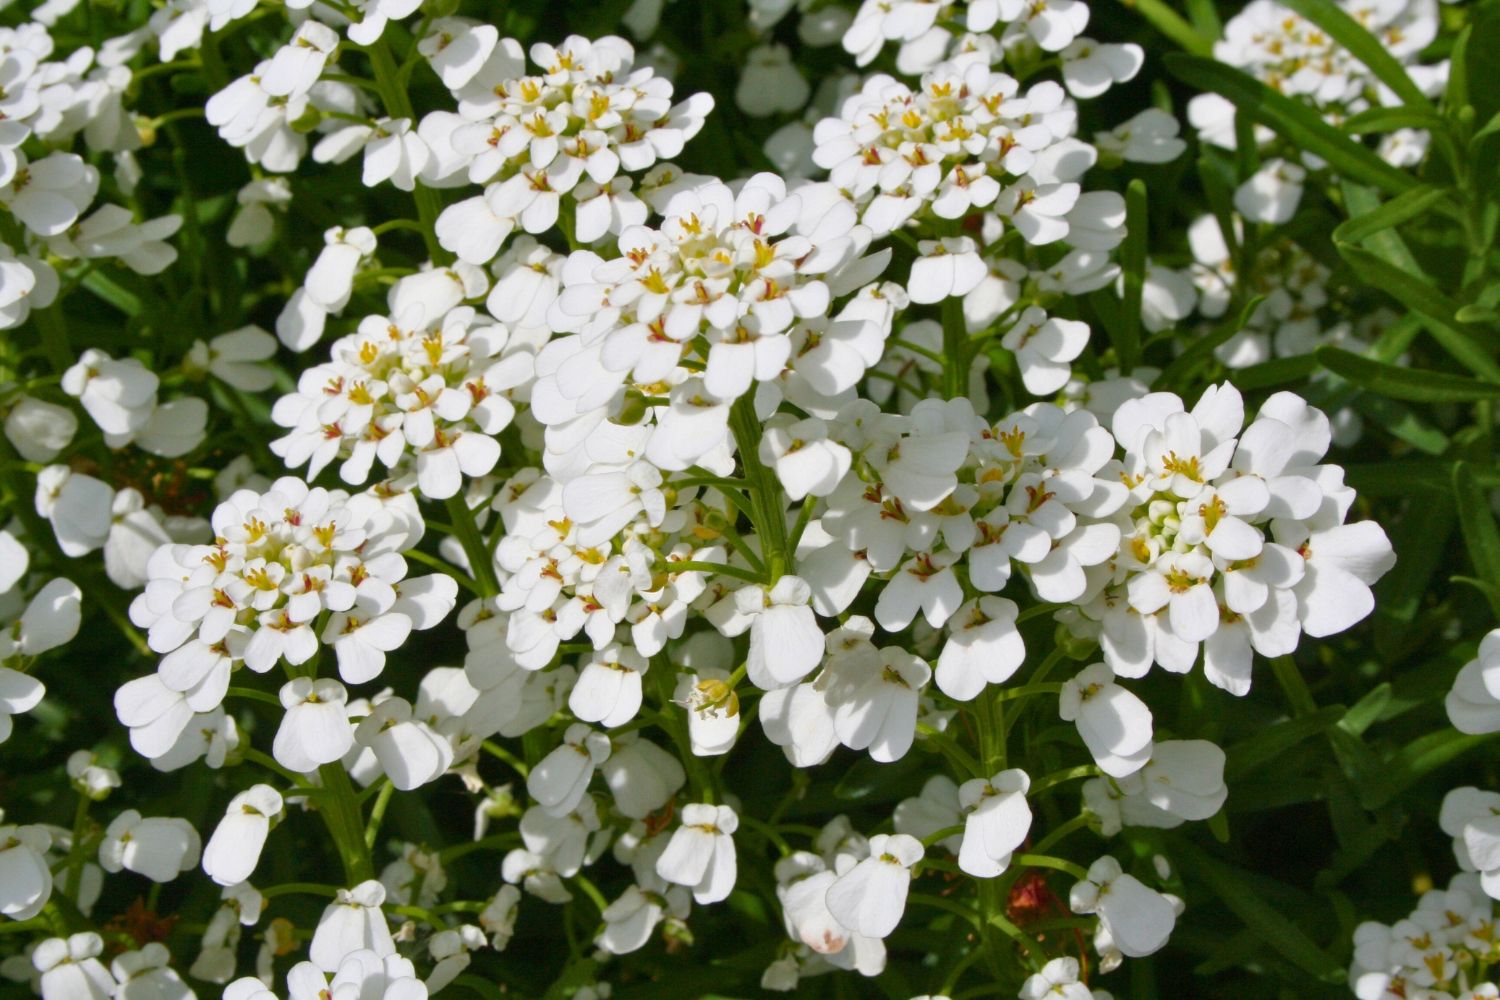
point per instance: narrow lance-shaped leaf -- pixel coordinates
(1133, 264)
(1238, 891)
(1389, 120)
(1292, 120)
(1421, 296)
(1481, 536)
(1202, 349)
(1400, 209)
(1412, 384)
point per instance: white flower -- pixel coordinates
(353, 921)
(134, 534)
(71, 969)
(1272, 193)
(330, 281)
(642, 777)
(90, 777)
(712, 710)
(297, 65)
(701, 854)
(1149, 137)
(147, 975)
(119, 395)
(1139, 919)
(608, 690)
(1472, 818)
(254, 223)
(770, 84)
(25, 879)
(315, 729)
(1058, 980)
(947, 267)
(984, 647)
(998, 821)
(1089, 68)
(160, 848)
(236, 358)
(926, 582)
(1473, 704)
(869, 897)
(785, 640)
(1044, 345)
(559, 780)
(806, 460)
(48, 195)
(234, 849)
(879, 712)
(1115, 724)
(38, 429)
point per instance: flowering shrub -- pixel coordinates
(895, 498)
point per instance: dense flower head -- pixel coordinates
(586, 118)
(418, 395)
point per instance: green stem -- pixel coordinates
(500, 753)
(712, 567)
(54, 336)
(1078, 822)
(765, 491)
(955, 358)
(340, 812)
(989, 718)
(1048, 861)
(270, 763)
(398, 105)
(498, 841)
(75, 849)
(300, 889)
(1293, 685)
(253, 695)
(467, 533)
(1027, 690)
(1058, 777)
(957, 755)
(377, 812)
(462, 579)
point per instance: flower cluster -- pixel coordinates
(1439, 951)
(289, 570)
(826, 458)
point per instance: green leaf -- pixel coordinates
(1277, 371)
(1363, 713)
(1389, 120)
(1293, 121)
(1411, 384)
(1457, 93)
(1402, 208)
(1201, 350)
(1421, 545)
(1491, 593)
(1474, 313)
(1481, 536)
(1363, 46)
(1418, 758)
(1402, 423)
(1240, 891)
(1170, 23)
(1246, 756)
(1418, 294)
(1133, 266)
